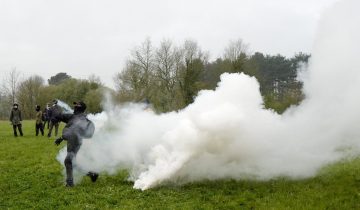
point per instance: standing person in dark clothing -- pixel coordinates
(54, 111)
(39, 123)
(77, 127)
(15, 119)
(46, 116)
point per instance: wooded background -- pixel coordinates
(168, 75)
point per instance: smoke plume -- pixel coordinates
(227, 133)
(65, 107)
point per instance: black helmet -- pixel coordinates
(79, 107)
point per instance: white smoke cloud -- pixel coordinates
(66, 108)
(227, 133)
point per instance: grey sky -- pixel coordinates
(84, 37)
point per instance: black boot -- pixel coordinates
(15, 132)
(93, 176)
(69, 183)
(20, 130)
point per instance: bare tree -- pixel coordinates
(190, 75)
(166, 65)
(134, 82)
(235, 50)
(143, 58)
(236, 55)
(164, 75)
(143, 62)
(4, 106)
(191, 49)
(10, 85)
(29, 95)
(128, 83)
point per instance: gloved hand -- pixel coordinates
(58, 141)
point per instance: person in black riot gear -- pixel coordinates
(77, 127)
(46, 119)
(15, 119)
(54, 111)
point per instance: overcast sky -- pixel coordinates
(84, 37)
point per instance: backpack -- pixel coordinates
(88, 129)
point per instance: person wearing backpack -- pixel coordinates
(54, 111)
(77, 127)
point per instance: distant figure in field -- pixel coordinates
(15, 119)
(77, 127)
(39, 121)
(148, 106)
(54, 111)
(46, 116)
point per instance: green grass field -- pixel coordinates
(31, 178)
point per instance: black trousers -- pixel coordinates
(18, 126)
(39, 127)
(52, 125)
(73, 146)
(74, 141)
(46, 122)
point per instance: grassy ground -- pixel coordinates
(31, 178)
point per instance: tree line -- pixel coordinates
(167, 75)
(170, 76)
(33, 91)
